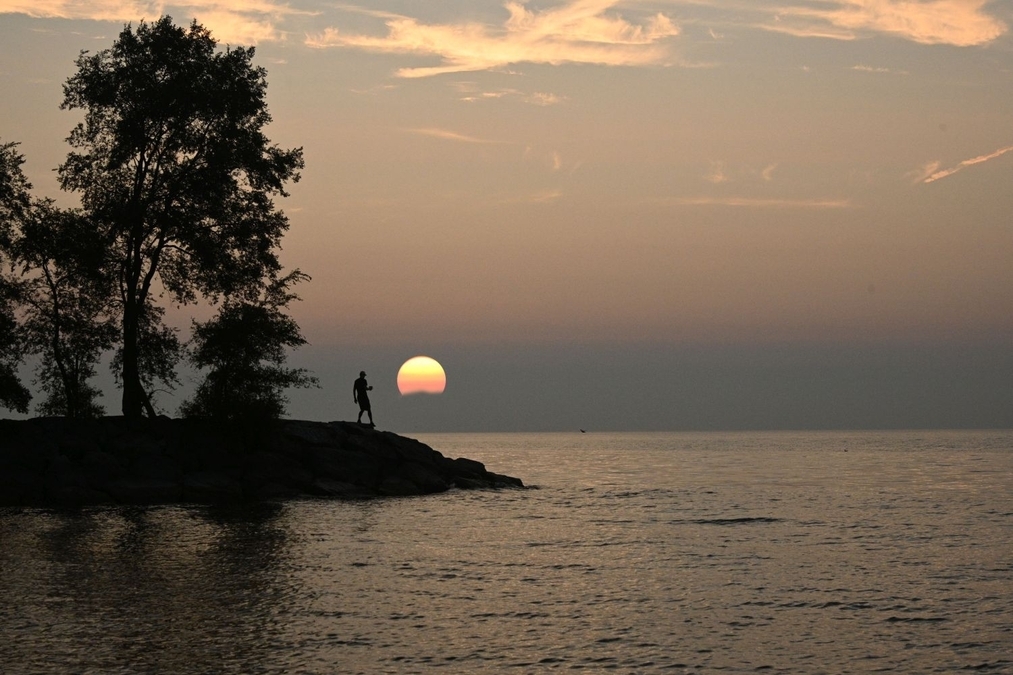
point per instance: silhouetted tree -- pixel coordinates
(174, 169)
(14, 204)
(244, 347)
(13, 394)
(159, 352)
(66, 297)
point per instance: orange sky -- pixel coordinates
(669, 172)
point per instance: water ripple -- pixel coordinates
(639, 554)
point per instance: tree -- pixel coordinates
(66, 298)
(244, 347)
(174, 169)
(159, 351)
(14, 204)
(13, 394)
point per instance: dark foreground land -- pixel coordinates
(65, 462)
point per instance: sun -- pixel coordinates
(421, 375)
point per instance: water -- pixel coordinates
(638, 553)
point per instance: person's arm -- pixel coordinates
(355, 394)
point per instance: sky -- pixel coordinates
(638, 215)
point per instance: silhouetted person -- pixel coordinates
(360, 396)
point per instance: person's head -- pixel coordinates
(362, 373)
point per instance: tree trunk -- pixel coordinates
(133, 392)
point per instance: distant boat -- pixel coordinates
(582, 431)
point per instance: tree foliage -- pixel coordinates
(14, 205)
(244, 348)
(15, 198)
(177, 182)
(173, 167)
(13, 394)
(65, 293)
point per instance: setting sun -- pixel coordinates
(421, 374)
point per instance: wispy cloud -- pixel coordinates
(579, 31)
(924, 171)
(452, 136)
(952, 22)
(544, 98)
(754, 202)
(542, 197)
(230, 21)
(545, 196)
(931, 172)
(876, 69)
(375, 89)
(719, 172)
(472, 93)
(716, 174)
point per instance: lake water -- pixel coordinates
(637, 553)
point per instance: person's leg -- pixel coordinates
(370, 413)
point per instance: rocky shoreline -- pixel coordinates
(113, 460)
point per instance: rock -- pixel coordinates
(100, 468)
(64, 462)
(396, 486)
(358, 468)
(145, 491)
(21, 487)
(77, 495)
(271, 492)
(468, 467)
(23, 454)
(465, 483)
(156, 467)
(501, 481)
(425, 479)
(309, 433)
(213, 487)
(334, 488)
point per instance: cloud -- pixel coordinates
(230, 21)
(960, 23)
(546, 196)
(542, 197)
(762, 203)
(579, 31)
(472, 94)
(375, 89)
(544, 98)
(99, 10)
(932, 172)
(871, 69)
(716, 174)
(719, 173)
(451, 136)
(923, 172)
